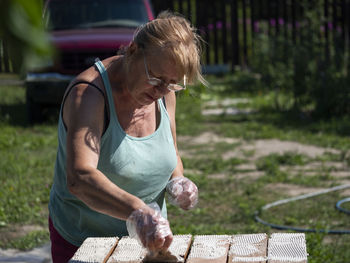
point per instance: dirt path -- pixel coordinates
(251, 151)
(38, 255)
(261, 148)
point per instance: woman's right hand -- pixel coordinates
(149, 227)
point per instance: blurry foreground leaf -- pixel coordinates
(23, 32)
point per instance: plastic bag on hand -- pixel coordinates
(149, 227)
(182, 192)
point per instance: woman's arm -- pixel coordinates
(170, 101)
(84, 131)
(182, 191)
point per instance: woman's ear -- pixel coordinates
(132, 49)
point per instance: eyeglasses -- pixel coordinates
(160, 83)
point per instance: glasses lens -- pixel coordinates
(178, 87)
(175, 87)
(155, 82)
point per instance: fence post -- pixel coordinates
(252, 23)
(269, 18)
(245, 51)
(343, 21)
(334, 20)
(215, 21)
(224, 32)
(197, 14)
(234, 34)
(294, 36)
(181, 10)
(285, 19)
(1, 55)
(326, 29)
(189, 10)
(277, 13)
(348, 23)
(206, 30)
(6, 57)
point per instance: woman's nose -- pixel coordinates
(163, 89)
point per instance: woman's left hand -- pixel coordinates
(182, 192)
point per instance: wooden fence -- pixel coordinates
(229, 27)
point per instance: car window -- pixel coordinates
(94, 13)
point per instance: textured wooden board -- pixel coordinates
(248, 248)
(209, 248)
(287, 248)
(177, 251)
(95, 250)
(279, 248)
(130, 251)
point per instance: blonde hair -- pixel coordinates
(174, 34)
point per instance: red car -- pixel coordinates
(81, 31)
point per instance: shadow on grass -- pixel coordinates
(17, 115)
(304, 122)
(289, 120)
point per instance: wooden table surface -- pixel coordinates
(278, 248)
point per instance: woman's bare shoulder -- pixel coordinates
(92, 75)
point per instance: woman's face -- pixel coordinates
(151, 65)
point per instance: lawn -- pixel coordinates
(240, 163)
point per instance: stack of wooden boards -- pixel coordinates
(278, 248)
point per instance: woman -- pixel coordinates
(117, 148)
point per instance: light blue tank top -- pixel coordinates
(140, 166)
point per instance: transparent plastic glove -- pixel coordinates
(149, 227)
(182, 192)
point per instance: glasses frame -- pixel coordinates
(160, 83)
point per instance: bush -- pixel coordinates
(316, 81)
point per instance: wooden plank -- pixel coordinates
(287, 247)
(177, 252)
(279, 248)
(248, 248)
(95, 250)
(129, 250)
(209, 248)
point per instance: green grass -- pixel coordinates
(26, 170)
(28, 241)
(226, 203)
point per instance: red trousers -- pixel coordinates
(61, 250)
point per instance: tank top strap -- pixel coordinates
(101, 68)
